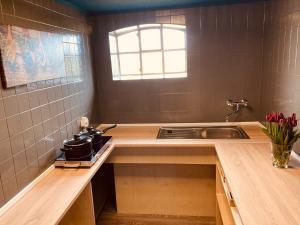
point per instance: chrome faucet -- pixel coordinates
(236, 106)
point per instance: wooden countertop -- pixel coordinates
(264, 195)
(50, 197)
(47, 201)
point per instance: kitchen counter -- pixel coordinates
(263, 194)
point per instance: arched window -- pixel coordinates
(148, 51)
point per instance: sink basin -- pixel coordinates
(209, 132)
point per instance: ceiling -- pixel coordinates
(111, 6)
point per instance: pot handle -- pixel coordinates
(108, 128)
(72, 164)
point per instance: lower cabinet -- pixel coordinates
(226, 211)
(82, 210)
(166, 189)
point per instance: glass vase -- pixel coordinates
(281, 155)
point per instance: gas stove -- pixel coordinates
(62, 162)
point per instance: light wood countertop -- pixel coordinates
(264, 195)
(50, 198)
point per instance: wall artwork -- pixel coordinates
(30, 55)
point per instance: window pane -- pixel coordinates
(116, 78)
(175, 75)
(153, 76)
(175, 61)
(152, 62)
(130, 63)
(173, 39)
(114, 65)
(131, 77)
(112, 44)
(129, 42)
(150, 39)
(149, 25)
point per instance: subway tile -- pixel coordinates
(67, 103)
(3, 129)
(17, 143)
(33, 170)
(46, 160)
(43, 97)
(21, 89)
(48, 128)
(10, 188)
(32, 86)
(56, 138)
(45, 110)
(23, 102)
(10, 105)
(36, 115)
(51, 94)
(68, 116)
(5, 150)
(38, 132)
(2, 199)
(69, 130)
(55, 123)
(41, 147)
(8, 92)
(60, 106)
(2, 112)
(58, 92)
(22, 178)
(41, 84)
(63, 133)
(28, 137)
(31, 154)
(34, 99)
(53, 109)
(20, 161)
(26, 120)
(75, 127)
(7, 169)
(65, 90)
(49, 141)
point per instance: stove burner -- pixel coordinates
(87, 161)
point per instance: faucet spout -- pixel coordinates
(235, 107)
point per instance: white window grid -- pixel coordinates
(142, 75)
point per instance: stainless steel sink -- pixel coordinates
(209, 132)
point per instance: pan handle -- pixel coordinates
(108, 128)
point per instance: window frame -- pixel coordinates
(162, 50)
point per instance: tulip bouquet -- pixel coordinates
(283, 133)
(281, 130)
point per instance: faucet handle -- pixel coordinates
(230, 102)
(244, 102)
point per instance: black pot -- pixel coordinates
(78, 148)
(96, 135)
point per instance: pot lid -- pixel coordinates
(77, 140)
(93, 131)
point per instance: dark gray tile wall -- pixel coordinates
(36, 118)
(224, 50)
(281, 80)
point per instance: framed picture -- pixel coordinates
(30, 55)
